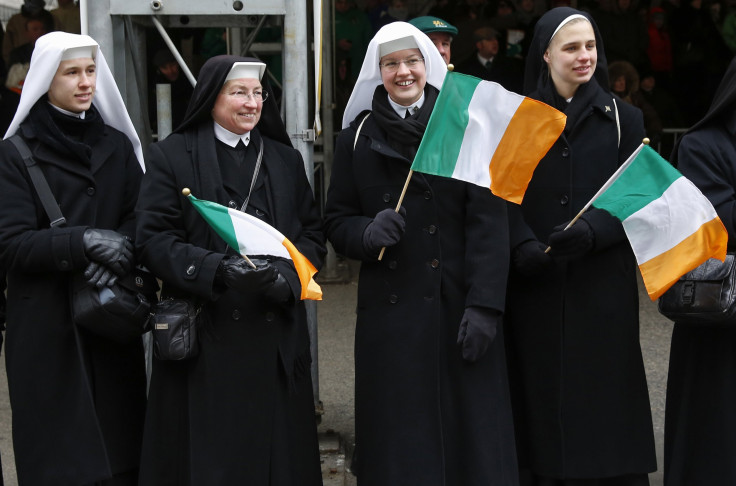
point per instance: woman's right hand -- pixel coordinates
(238, 275)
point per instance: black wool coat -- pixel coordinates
(700, 431)
(242, 411)
(578, 381)
(78, 401)
(423, 414)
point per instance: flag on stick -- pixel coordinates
(671, 225)
(251, 236)
(480, 133)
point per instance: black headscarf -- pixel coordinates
(536, 74)
(724, 103)
(211, 80)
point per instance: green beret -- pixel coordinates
(429, 24)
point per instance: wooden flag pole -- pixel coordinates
(187, 192)
(398, 205)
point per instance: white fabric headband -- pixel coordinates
(565, 22)
(250, 70)
(79, 52)
(391, 46)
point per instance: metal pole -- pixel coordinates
(174, 50)
(163, 110)
(83, 17)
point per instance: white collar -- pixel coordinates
(401, 109)
(227, 137)
(484, 60)
(69, 113)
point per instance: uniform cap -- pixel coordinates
(429, 24)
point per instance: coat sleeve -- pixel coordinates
(27, 243)
(162, 233)
(344, 218)
(134, 175)
(486, 248)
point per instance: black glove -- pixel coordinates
(280, 291)
(530, 259)
(577, 241)
(477, 331)
(238, 275)
(99, 275)
(109, 248)
(385, 230)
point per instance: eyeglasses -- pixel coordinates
(393, 66)
(258, 96)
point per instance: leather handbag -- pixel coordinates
(705, 295)
(119, 312)
(174, 326)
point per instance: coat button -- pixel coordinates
(259, 213)
(91, 191)
(432, 229)
(564, 200)
(232, 204)
(434, 263)
(269, 316)
(427, 195)
(387, 197)
(63, 264)
(392, 265)
(393, 298)
(236, 315)
(566, 152)
(191, 269)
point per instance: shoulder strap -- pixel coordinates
(357, 132)
(39, 182)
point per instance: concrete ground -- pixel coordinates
(336, 318)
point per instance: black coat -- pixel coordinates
(507, 72)
(423, 414)
(78, 401)
(580, 390)
(242, 411)
(700, 431)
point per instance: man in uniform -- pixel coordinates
(440, 32)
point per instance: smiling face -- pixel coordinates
(235, 112)
(572, 57)
(73, 85)
(405, 85)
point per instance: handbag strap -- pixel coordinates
(39, 182)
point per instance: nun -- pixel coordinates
(581, 399)
(78, 400)
(432, 404)
(242, 410)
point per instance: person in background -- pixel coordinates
(577, 375)
(439, 32)
(36, 26)
(66, 17)
(490, 64)
(700, 420)
(169, 72)
(352, 33)
(624, 82)
(431, 393)
(15, 29)
(241, 412)
(78, 399)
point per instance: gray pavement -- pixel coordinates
(336, 318)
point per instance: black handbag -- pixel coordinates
(119, 312)
(705, 295)
(174, 327)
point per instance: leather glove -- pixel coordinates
(530, 259)
(99, 275)
(280, 291)
(577, 241)
(386, 229)
(109, 248)
(477, 331)
(238, 275)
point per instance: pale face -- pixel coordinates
(405, 86)
(572, 57)
(487, 48)
(73, 85)
(234, 111)
(442, 41)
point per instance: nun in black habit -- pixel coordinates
(242, 410)
(577, 375)
(700, 418)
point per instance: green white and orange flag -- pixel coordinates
(671, 225)
(251, 236)
(483, 134)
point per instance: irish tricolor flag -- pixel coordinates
(483, 134)
(251, 236)
(671, 226)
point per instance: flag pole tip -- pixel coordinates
(645, 141)
(186, 191)
(450, 67)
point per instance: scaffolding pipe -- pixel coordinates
(83, 17)
(174, 50)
